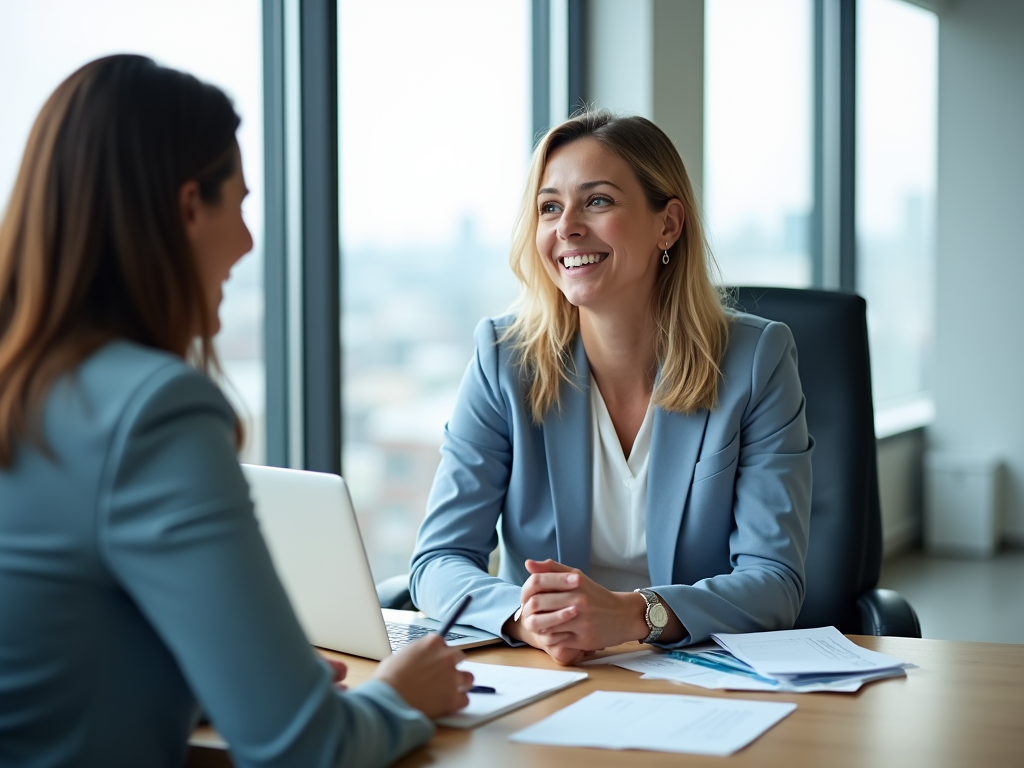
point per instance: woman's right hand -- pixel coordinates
(424, 674)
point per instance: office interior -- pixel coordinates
(348, 227)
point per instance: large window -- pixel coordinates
(44, 41)
(758, 135)
(435, 137)
(897, 76)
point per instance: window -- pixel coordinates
(46, 40)
(434, 141)
(897, 80)
(758, 193)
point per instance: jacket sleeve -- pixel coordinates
(771, 506)
(460, 529)
(180, 536)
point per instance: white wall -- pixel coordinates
(979, 373)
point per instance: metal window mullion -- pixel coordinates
(577, 55)
(540, 45)
(320, 247)
(833, 237)
(275, 342)
(294, 233)
(848, 145)
(817, 234)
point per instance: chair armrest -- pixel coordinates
(886, 612)
(394, 593)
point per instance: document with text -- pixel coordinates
(657, 722)
(824, 650)
(698, 668)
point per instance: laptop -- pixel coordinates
(310, 527)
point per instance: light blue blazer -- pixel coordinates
(728, 498)
(135, 585)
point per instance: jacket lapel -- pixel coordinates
(675, 445)
(567, 445)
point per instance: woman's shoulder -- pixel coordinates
(494, 340)
(122, 380)
(496, 358)
(494, 330)
(124, 367)
(755, 342)
(747, 331)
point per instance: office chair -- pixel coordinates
(844, 556)
(845, 552)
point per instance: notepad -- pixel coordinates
(514, 687)
(658, 722)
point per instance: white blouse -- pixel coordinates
(618, 539)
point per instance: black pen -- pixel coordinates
(454, 615)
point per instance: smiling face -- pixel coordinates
(598, 240)
(218, 235)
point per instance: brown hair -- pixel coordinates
(693, 330)
(93, 245)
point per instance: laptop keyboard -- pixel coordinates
(402, 634)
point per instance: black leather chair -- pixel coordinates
(845, 553)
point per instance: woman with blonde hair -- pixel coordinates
(641, 449)
(134, 582)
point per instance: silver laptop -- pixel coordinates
(310, 527)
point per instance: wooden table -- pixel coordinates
(964, 706)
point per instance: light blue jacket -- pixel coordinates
(728, 498)
(134, 582)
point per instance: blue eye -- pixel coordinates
(549, 208)
(600, 201)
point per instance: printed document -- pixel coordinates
(691, 670)
(657, 722)
(824, 650)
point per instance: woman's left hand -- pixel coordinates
(601, 618)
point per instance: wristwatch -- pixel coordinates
(656, 616)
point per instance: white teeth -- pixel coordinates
(579, 261)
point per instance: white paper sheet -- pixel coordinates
(823, 650)
(657, 722)
(515, 687)
(658, 666)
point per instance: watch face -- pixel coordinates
(659, 616)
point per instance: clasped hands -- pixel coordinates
(569, 616)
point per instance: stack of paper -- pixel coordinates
(514, 687)
(793, 661)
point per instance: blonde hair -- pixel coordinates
(692, 327)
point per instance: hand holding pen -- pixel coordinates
(424, 673)
(452, 620)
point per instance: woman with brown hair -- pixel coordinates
(134, 582)
(641, 449)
